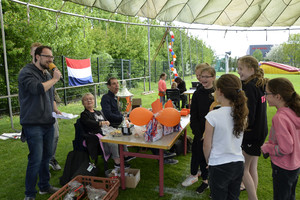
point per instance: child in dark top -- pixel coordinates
(202, 99)
(182, 88)
(254, 83)
(284, 139)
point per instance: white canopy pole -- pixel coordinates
(6, 68)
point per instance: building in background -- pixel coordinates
(265, 48)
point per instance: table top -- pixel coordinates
(166, 142)
(190, 91)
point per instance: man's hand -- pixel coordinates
(56, 74)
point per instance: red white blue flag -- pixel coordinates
(79, 71)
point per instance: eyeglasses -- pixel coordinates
(89, 99)
(206, 76)
(268, 93)
(48, 56)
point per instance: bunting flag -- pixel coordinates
(79, 71)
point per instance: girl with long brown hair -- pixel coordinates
(284, 139)
(223, 138)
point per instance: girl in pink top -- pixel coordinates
(162, 87)
(283, 146)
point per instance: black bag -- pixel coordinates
(75, 164)
(178, 146)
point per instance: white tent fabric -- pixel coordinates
(242, 13)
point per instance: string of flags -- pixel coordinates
(172, 64)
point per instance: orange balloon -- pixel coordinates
(174, 56)
(140, 116)
(172, 69)
(169, 117)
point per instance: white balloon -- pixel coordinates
(171, 33)
(174, 59)
(175, 71)
(170, 47)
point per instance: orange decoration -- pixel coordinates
(140, 116)
(168, 117)
(172, 68)
(156, 106)
(174, 56)
(169, 104)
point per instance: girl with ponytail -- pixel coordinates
(254, 83)
(223, 138)
(283, 146)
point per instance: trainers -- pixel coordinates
(54, 164)
(170, 161)
(29, 198)
(169, 155)
(129, 158)
(189, 180)
(50, 190)
(199, 173)
(127, 165)
(201, 188)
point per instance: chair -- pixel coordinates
(80, 136)
(174, 95)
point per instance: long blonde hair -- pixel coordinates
(251, 62)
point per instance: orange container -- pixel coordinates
(111, 186)
(183, 112)
(186, 110)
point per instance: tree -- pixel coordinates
(258, 54)
(276, 54)
(292, 49)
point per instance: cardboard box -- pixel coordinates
(136, 102)
(132, 180)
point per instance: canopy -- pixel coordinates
(243, 13)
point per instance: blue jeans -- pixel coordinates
(162, 100)
(284, 183)
(40, 143)
(225, 180)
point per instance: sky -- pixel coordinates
(237, 41)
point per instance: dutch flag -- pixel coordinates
(79, 71)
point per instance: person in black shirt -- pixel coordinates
(182, 88)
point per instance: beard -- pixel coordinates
(44, 66)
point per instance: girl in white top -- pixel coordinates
(223, 138)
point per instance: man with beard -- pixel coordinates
(36, 97)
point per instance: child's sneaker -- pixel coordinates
(201, 188)
(190, 180)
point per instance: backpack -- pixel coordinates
(178, 146)
(77, 163)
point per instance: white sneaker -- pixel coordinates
(199, 173)
(189, 180)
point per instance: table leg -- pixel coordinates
(161, 172)
(122, 166)
(185, 142)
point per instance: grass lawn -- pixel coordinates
(14, 160)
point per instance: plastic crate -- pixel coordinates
(111, 186)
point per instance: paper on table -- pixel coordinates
(6, 136)
(64, 115)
